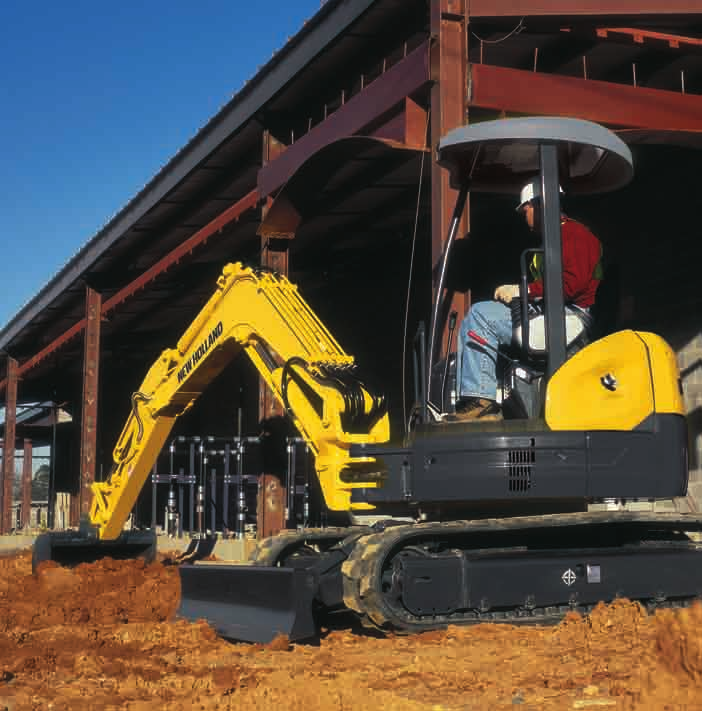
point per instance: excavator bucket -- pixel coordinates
(74, 547)
(250, 603)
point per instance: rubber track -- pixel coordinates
(363, 569)
(270, 551)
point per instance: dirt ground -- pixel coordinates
(105, 636)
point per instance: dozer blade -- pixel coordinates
(247, 602)
(70, 548)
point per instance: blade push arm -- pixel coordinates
(262, 314)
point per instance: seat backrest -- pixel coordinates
(578, 325)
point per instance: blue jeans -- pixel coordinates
(476, 365)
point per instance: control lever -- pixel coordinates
(481, 341)
(451, 328)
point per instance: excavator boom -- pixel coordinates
(263, 315)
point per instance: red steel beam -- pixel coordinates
(91, 368)
(641, 36)
(531, 8)
(379, 97)
(408, 126)
(8, 450)
(517, 91)
(27, 483)
(57, 343)
(231, 214)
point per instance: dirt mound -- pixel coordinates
(105, 636)
(105, 592)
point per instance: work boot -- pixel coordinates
(477, 409)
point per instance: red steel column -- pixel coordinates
(449, 100)
(27, 483)
(8, 450)
(274, 255)
(270, 504)
(88, 434)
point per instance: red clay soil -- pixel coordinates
(104, 636)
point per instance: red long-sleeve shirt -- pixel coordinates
(582, 270)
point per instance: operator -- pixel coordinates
(492, 320)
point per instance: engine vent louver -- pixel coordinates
(520, 463)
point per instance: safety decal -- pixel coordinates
(568, 577)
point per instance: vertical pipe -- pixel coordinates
(171, 512)
(306, 502)
(191, 475)
(290, 509)
(241, 497)
(8, 450)
(181, 509)
(225, 492)
(154, 497)
(553, 259)
(213, 499)
(201, 491)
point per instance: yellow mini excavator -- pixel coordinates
(460, 522)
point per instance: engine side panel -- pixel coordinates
(648, 462)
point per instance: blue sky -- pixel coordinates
(95, 97)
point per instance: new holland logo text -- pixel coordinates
(200, 351)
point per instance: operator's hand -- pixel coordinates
(506, 293)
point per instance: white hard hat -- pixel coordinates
(531, 191)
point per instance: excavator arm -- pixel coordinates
(263, 314)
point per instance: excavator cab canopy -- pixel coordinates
(501, 156)
(579, 157)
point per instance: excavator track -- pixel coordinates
(374, 586)
(275, 550)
